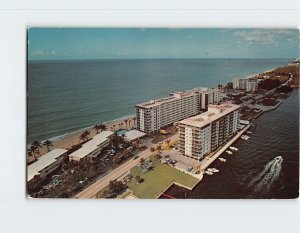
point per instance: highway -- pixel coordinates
(92, 190)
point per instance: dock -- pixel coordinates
(206, 162)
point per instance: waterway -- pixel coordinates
(266, 166)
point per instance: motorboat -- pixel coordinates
(208, 173)
(214, 170)
(245, 137)
(222, 159)
(229, 152)
(233, 148)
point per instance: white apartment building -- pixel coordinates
(251, 85)
(155, 114)
(199, 135)
(248, 83)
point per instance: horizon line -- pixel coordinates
(93, 59)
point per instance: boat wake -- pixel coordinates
(263, 182)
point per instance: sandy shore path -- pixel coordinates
(73, 138)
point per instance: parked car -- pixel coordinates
(84, 180)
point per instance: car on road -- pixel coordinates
(82, 181)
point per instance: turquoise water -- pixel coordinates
(65, 96)
(121, 132)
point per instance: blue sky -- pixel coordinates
(117, 43)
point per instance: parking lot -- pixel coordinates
(182, 162)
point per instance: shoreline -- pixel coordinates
(67, 140)
(69, 134)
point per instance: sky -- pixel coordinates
(149, 43)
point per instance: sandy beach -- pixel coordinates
(73, 138)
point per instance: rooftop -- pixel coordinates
(91, 145)
(174, 96)
(213, 113)
(43, 162)
(133, 134)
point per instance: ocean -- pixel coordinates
(66, 96)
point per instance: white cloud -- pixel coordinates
(266, 36)
(42, 53)
(38, 53)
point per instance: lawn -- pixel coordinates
(157, 180)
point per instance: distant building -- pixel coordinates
(155, 114)
(248, 83)
(92, 147)
(251, 85)
(204, 133)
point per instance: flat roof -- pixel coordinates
(133, 134)
(175, 96)
(43, 162)
(207, 117)
(91, 145)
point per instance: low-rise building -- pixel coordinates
(199, 135)
(47, 163)
(155, 114)
(92, 147)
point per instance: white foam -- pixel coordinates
(268, 176)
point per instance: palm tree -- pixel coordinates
(85, 135)
(31, 152)
(97, 128)
(129, 121)
(126, 121)
(142, 160)
(158, 148)
(122, 124)
(152, 149)
(82, 137)
(102, 127)
(48, 143)
(36, 145)
(138, 179)
(168, 142)
(114, 127)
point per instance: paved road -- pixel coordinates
(91, 190)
